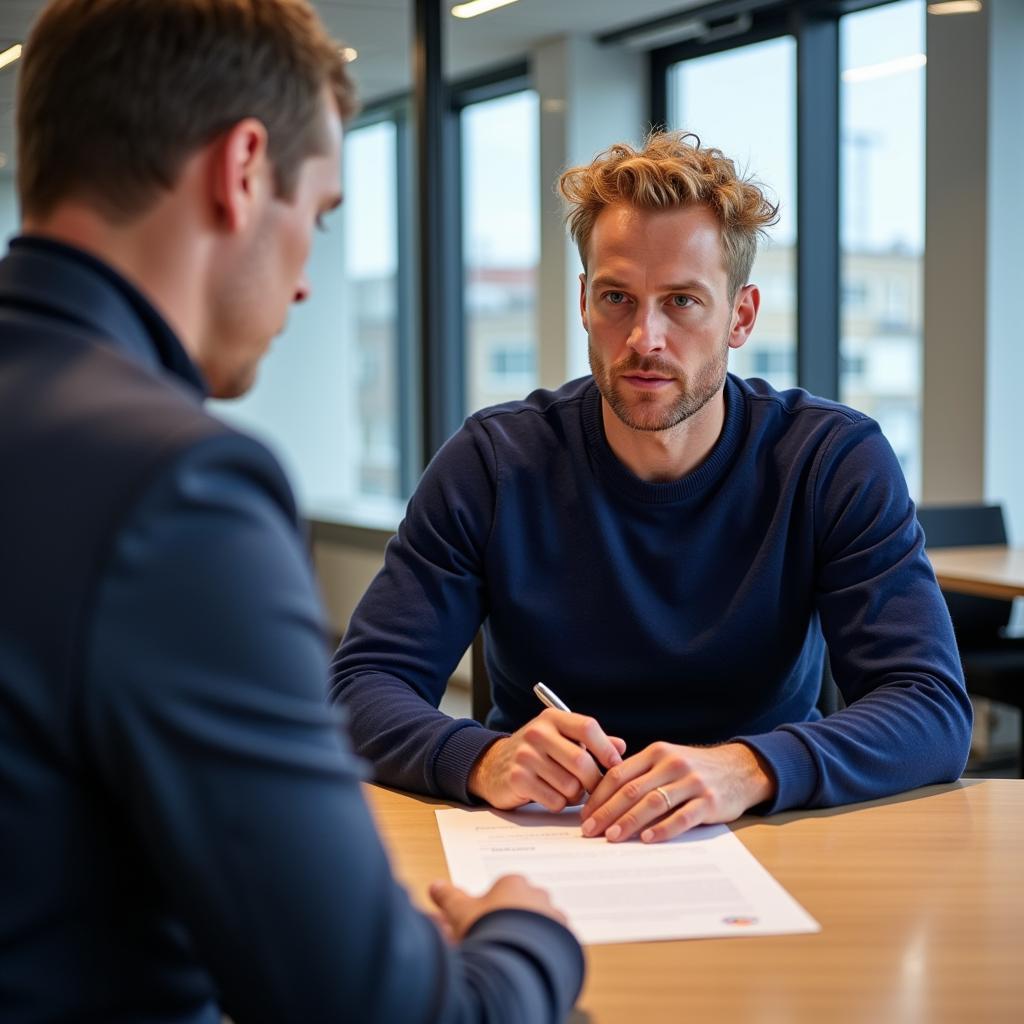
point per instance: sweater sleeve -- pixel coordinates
(890, 640)
(204, 707)
(414, 623)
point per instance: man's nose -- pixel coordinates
(648, 333)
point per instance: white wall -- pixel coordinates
(1004, 425)
(953, 417)
(973, 422)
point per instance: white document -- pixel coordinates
(703, 884)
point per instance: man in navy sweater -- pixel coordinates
(182, 828)
(670, 549)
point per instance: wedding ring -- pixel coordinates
(666, 797)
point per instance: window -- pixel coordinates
(327, 397)
(742, 101)
(370, 451)
(500, 246)
(882, 235)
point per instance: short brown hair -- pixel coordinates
(115, 95)
(670, 170)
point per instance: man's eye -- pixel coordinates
(615, 298)
(682, 301)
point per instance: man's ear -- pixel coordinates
(744, 315)
(240, 171)
(583, 302)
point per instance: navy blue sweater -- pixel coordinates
(694, 611)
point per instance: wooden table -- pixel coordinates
(920, 898)
(989, 571)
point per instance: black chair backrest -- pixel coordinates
(480, 681)
(945, 526)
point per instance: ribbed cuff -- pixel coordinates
(454, 761)
(796, 777)
(544, 941)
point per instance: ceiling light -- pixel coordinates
(10, 55)
(955, 7)
(350, 53)
(868, 72)
(475, 7)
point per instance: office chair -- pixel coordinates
(993, 662)
(480, 682)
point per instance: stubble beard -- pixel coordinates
(646, 410)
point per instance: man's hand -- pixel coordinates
(666, 789)
(459, 911)
(543, 761)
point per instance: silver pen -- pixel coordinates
(550, 699)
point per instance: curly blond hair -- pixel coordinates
(671, 170)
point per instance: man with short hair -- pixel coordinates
(183, 831)
(668, 548)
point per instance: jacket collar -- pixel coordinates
(50, 278)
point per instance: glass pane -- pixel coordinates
(371, 453)
(327, 397)
(501, 247)
(883, 116)
(743, 102)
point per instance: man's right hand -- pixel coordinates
(544, 762)
(459, 911)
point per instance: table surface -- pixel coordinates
(920, 898)
(989, 571)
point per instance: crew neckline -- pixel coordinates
(695, 482)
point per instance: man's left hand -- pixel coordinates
(666, 789)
